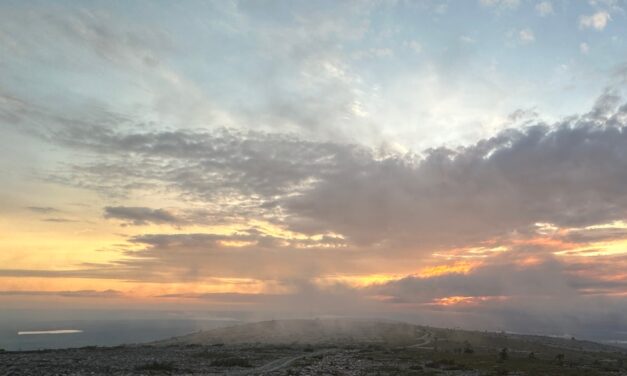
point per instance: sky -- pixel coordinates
(464, 161)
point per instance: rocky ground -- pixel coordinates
(290, 360)
(142, 360)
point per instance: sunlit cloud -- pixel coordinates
(596, 21)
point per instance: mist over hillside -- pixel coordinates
(307, 331)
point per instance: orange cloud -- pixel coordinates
(464, 300)
(461, 267)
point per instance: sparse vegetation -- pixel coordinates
(503, 354)
(231, 362)
(156, 366)
(468, 348)
(560, 359)
(212, 354)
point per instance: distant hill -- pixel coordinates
(361, 331)
(316, 331)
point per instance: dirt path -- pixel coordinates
(424, 340)
(278, 364)
(275, 365)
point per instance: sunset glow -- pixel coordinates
(384, 159)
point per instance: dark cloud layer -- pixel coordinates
(42, 209)
(140, 215)
(194, 257)
(502, 277)
(570, 175)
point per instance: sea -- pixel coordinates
(24, 331)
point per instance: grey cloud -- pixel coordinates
(605, 106)
(619, 73)
(549, 278)
(508, 279)
(217, 167)
(66, 294)
(192, 257)
(571, 174)
(524, 116)
(92, 29)
(88, 271)
(226, 297)
(59, 220)
(164, 258)
(305, 298)
(96, 31)
(595, 234)
(141, 215)
(42, 209)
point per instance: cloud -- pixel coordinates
(304, 296)
(588, 235)
(247, 254)
(414, 46)
(59, 220)
(92, 43)
(518, 294)
(203, 164)
(568, 173)
(104, 271)
(526, 36)
(467, 39)
(605, 106)
(140, 215)
(501, 277)
(355, 210)
(507, 4)
(66, 294)
(597, 21)
(340, 209)
(584, 48)
(42, 209)
(93, 30)
(227, 297)
(544, 8)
